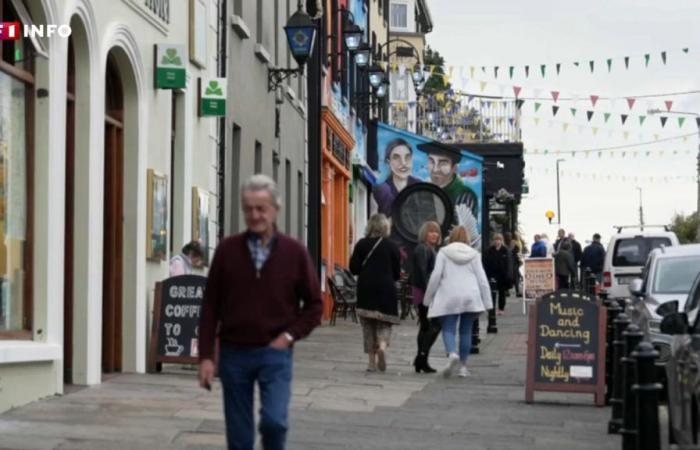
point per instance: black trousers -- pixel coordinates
(502, 295)
(563, 282)
(428, 331)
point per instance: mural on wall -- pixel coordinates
(405, 158)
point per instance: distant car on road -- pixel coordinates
(627, 254)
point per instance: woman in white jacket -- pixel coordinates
(458, 291)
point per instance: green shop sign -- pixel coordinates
(212, 96)
(170, 66)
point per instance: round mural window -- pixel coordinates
(417, 204)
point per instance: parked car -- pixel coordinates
(626, 255)
(683, 366)
(668, 275)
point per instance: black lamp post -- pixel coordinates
(301, 34)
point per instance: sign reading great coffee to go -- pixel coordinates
(171, 72)
(212, 96)
(175, 330)
(566, 345)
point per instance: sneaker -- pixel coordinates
(452, 363)
(463, 372)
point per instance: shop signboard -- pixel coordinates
(171, 72)
(212, 97)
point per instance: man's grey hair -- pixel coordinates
(377, 226)
(261, 182)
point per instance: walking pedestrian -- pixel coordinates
(422, 264)
(539, 248)
(564, 265)
(262, 295)
(458, 291)
(577, 251)
(377, 262)
(499, 266)
(513, 244)
(594, 258)
(190, 256)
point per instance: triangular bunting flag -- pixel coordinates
(609, 61)
(663, 57)
(537, 106)
(663, 121)
(555, 110)
(482, 85)
(511, 120)
(527, 71)
(589, 114)
(519, 103)
(656, 137)
(555, 95)
(630, 102)
(624, 118)
(471, 71)
(626, 134)
(594, 100)
(543, 68)
(685, 50)
(647, 57)
(483, 69)
(595, 132)
(606, 116)
(495, 72)
(516, 90)
(592, 65)
(577, 64)
(641, 120)
(565, 126)
(511, 69)
(558, 68)
(537, 120)
(573, 112)
(627, 62)
(669, 104)
(697, 121)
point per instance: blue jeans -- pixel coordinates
(449, 333)
(239, 369)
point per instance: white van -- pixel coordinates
(626, 256)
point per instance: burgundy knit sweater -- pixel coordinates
(251, 309)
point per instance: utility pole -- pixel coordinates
(697, 209)
(641, 210)
(558, 196)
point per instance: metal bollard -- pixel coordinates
(621, 323)
(646, 391)
(590, 282)
(613, 311)
(633, 336)
(492, 326)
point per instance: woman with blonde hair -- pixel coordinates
(457, 293)
(377, 262)
(422, 263)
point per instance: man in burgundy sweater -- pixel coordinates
(262, 295)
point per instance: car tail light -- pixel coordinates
(607, 280)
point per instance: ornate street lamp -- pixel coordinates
(376, 76)
(301, 34)
(353, 37)
(362, 55)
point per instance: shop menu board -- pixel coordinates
(175, 328)
(566, 345)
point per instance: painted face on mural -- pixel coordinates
(401, 162)
(442, 169)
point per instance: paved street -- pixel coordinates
(336, 405)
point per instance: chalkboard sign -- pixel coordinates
(175, 330)
(566, 345)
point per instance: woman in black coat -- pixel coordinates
(377, 262)
(498, 264)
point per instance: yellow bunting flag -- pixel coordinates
(565, 126)
(595, 131)
(537, 120)
(471, 71)
(627, 134)
(482, 85)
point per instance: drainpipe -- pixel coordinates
(221, 34)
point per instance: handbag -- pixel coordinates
(364, 262)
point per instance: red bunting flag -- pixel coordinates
(516, 90)
(555, 95)
(594, 99)
(669, 104)
(630, 102)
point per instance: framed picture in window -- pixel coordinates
(157, 216)
(198, 32)
(200, 221)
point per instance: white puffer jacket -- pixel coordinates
(458, 283)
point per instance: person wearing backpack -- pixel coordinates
(377, 262)
(458, 292)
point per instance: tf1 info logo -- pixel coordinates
(12, 31)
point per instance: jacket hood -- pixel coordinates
(459, 252)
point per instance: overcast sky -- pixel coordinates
(515, 33)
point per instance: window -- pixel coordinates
(399, 15)
(16, 127)
(258, 157)
(675, 275)
(275, 167)
(288, 196)
(238, 8)
(259, 22)
(399, 87)
(300, 206)
(633, 252)
(235, 177)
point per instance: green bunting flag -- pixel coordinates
(543, 68)
(511, 69)
(663, 121)
(527, 71)
(609, 61)
(577, 63)
(606, 116)
(558, 68)
(627, 62)
(680, 122)
(537, 106)
(519, 103)
(483, 69)
(590, 115)
(555, 110)
(573, 112)
(592, 65)
(495, 72)
(624, 118)
(663, 57)
(646, 59)
(685, 50)
(641, 120)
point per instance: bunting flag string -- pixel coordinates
(620, 148)
(615, 177)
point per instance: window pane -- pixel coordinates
(12, 202)
(399, 15)
(676, 275)
(634, 251)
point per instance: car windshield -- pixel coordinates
(675, 275)
(630, 252)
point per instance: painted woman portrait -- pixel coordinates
(399, 157)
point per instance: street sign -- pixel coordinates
(539, 277)
(566, 345)
(171, 72)
(212, 96)
(175, 327)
